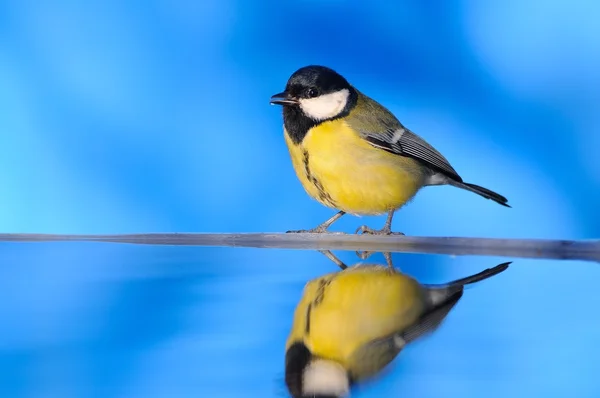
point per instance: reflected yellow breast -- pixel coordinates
(342, 171)
(340, 312)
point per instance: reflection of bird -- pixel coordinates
(351, 154)
(350, 324)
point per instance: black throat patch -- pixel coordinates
(297, 358)
(296, 123)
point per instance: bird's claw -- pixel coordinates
(364, 230)
(363, 255)
(317, 230)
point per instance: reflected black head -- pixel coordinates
(297, 358)
(313, 81)
(319, 396)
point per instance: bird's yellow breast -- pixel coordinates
(343, 171)
(342, 311)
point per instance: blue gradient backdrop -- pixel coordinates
(153, 117)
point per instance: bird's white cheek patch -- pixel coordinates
(323, 377)
(325, 106)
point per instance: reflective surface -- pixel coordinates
(120, 320)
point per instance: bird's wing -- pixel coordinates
(396, 138)
(404, 142)
(430, 320)
(371, 357)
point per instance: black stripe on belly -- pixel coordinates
(323, 195)
(308, 311)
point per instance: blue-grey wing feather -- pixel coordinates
(395, 138)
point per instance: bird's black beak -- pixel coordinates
(283, 99)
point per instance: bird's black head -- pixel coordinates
(313, 81)
(298, 359)
(314, 94)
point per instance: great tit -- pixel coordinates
(352, 154)
(349, 325)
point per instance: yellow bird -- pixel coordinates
(351, 324)
(352, 154)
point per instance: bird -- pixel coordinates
(349, 325)
(352, 154)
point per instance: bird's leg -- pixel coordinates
(322, 228)
(334, 258)
(386, 230)
(388, 259)
(387, 255)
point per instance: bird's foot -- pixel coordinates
(363, 255)
(316, 230)
(385, 231)
(321, 228)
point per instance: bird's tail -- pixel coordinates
(486, 193)
(441, 300)
(488, 273)
(439, 294)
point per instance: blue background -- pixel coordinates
(153, 116)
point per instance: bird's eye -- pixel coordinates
(312, 93)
